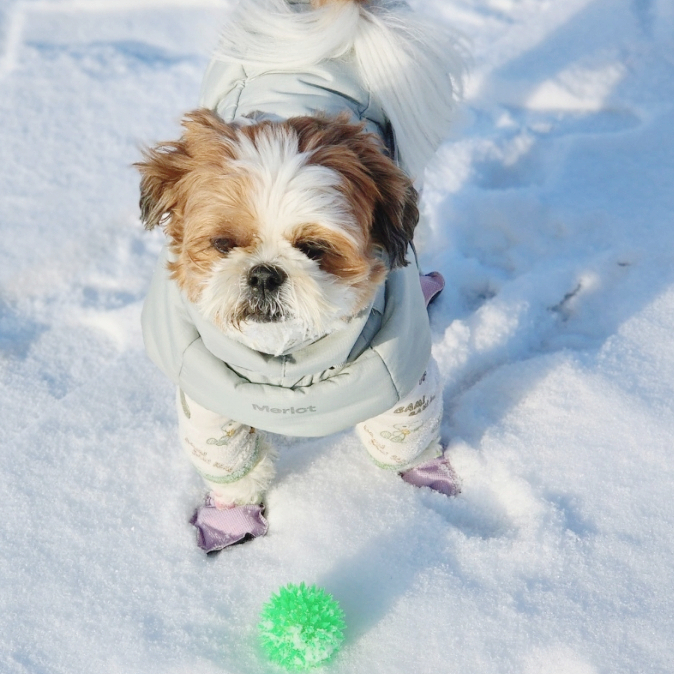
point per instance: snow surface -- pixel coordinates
(551, 212)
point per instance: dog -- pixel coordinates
(288, 296)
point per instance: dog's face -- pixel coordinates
(280, 231)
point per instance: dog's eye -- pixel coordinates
(314, 250)
(222, 245)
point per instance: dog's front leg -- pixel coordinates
(237, 464)
(407, 437)
(235, 461)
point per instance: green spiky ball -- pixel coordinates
(301, 627)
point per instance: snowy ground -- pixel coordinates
(552, 221)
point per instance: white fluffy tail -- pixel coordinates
(414, 70)
(407, 63)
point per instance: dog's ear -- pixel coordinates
(165, 165)
(375, 183)
(396, 213)
(161, 170)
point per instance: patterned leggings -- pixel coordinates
(236, 461)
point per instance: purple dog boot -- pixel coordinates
(431, 285)
(436, 474)
(218, 529)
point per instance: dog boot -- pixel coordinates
(431, 285)
(220, 528)
(436, 474)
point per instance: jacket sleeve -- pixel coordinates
(167, 330)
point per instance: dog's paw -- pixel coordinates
(219, 528)
(436, 474)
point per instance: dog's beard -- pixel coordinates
(276, 338)
(309, 305)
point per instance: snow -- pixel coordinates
(550, 215)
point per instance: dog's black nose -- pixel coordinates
(265, 278)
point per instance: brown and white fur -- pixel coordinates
(310, 198)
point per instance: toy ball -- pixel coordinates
(301, 627)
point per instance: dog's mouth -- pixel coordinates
(261, 310)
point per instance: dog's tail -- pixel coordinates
(406, 62)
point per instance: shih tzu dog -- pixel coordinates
(288, 298)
